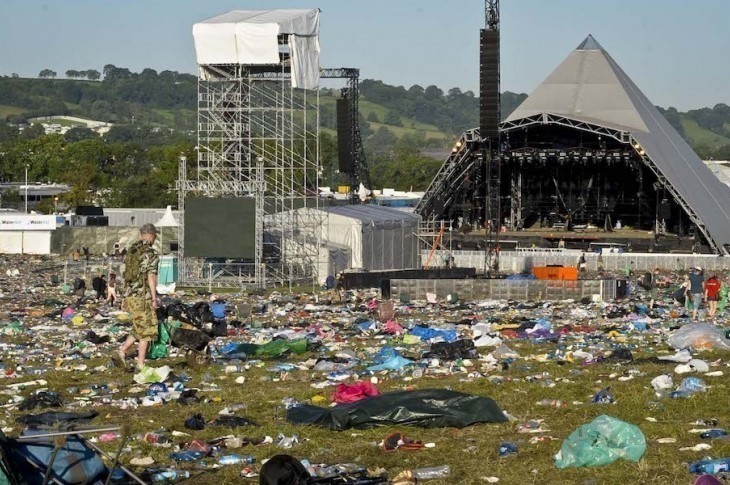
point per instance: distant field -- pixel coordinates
(701, 136)
(6, 110)
(366, 107)
(401, 131)
(410, 126)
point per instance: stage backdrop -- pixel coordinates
(220, 227)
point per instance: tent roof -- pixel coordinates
(590, 86)
(373, 213)
(290, 21)
(168, 219)
(251, 37)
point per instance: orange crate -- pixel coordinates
(555, 273)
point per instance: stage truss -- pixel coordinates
(258, 137)
(455, 182)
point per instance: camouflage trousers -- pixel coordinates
(144, 318)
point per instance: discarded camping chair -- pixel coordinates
(60, 457)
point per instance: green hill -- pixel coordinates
(698, 136)
(427, 115)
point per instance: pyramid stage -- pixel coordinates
(586, 149)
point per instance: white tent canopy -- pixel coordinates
(378, 237)
(250, 37)
(168, 219)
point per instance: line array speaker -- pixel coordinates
(344, 136)
(664, 211)
(489, 83)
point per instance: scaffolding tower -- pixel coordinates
(259, 137)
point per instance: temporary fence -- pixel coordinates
(518, 262)
(504, 289)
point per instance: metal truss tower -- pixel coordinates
(360, 173)
(259, 137)
(489, 129)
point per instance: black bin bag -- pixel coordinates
(427, 408)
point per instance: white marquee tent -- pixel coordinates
(378, 237)
(26, 233)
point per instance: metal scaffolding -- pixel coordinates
(258, 137)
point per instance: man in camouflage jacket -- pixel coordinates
(140, 294)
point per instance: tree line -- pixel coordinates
(155, 118)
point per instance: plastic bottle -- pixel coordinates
(236, 460)
(679, 394)
(692, 385)
(187, 456)
(604, 397)
(713, 433)
(432, 473)
(553, 403)
(507, 449)
(710, 466)
(155, 437)
(163, 476)
(231, 369)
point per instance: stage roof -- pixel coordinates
(250, 37)
(590, 86)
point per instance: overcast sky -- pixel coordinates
(675, 50)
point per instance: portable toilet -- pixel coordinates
(167, 270)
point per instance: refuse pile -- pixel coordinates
(249, 383)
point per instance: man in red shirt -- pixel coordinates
(712, 294)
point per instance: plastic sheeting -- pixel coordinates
(250, 37)
(600, 442)
(275, 348)
(699, 336)
(429, 408)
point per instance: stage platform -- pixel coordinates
(632, 239)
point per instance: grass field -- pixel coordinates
(6, 110)
(471, 452)
(702, 137)
(410, 126)
(366, 107)
(400, 131)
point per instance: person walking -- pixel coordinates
(682, 294)
(712, 294)
(140, 295)
(696, 289)
(99, 284)
(111, 290)
(650, 283)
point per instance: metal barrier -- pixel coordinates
(518, 262)
(501, 289)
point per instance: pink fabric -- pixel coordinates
(392, 327)
(346, 393)
(68, 314)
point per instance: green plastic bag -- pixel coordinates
(159, 349)
(600, 442)
(275, 348)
